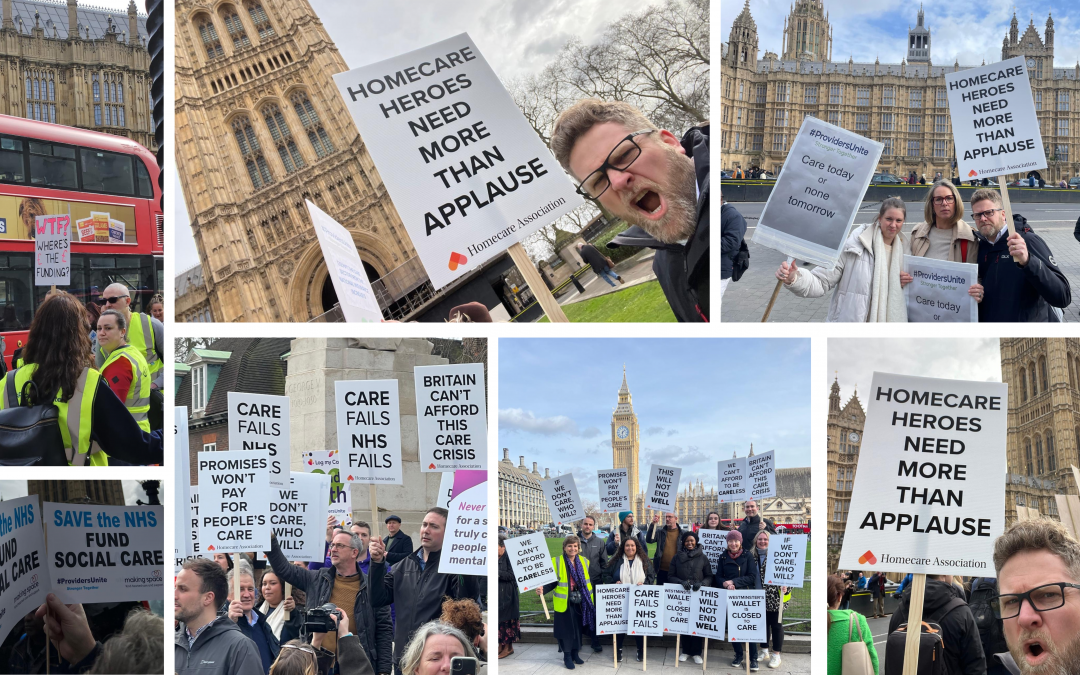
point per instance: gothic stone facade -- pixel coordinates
(521, 500)
(844, 429)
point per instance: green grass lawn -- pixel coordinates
(637, 304)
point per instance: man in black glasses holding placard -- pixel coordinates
(1038, 568)
(652, 180)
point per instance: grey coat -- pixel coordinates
(595, 551)
(221, 649)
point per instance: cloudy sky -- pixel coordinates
(854, 361)
(13, 489)
(968, 31)
(697, 400)
(517, 37)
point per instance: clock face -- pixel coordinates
(622, 432)
(1031, 63)
(853, 437)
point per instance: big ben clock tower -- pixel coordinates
(625, 438)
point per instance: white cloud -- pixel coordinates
(524, 420)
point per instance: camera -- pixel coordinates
(320, 619)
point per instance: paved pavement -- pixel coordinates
(545, 659)
(634, 270)
(747, 299)
(880, 630)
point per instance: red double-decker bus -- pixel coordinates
(107, 184)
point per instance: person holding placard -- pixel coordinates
(845, 625)
(274, 606)
(509, 601)
(944, 234)
(667, 540)
(593, 549)
(737, 570)
(691, 569)
(125, 371)
(752, 523)
(631, 566)
(713, 522)
(626, 530)
(203, 638)
(251, 621)
(773, 597)
(867, 273)
(572, 601)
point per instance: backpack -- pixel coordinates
(990, 628)
(931, 644)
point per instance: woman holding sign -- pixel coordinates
(572, 600)
(773, 594)
(509, 610)
(944, 235)
(867, 275)
(737, 571)
(712, 522)
(631, 565)
(692, 570)
(275, 605)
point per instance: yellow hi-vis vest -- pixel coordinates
(138, 397)
(141, 337)
(75, 414)
(562, 590)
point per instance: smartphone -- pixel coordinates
(463, 665)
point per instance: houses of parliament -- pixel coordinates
(765, 96)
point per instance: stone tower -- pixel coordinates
(845, 428)
(743, 40)
(1038, 54)
(260, 128)
(807, 33)
(919, 41)
(625, 438)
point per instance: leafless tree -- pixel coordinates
(541, 244)
(183, 346)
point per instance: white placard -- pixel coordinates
(939, 292)
(356, 298)
(340, 504)
(663, 488)
(368, 431)
(928, 496)
(190, 530)
(612, 608)
(105, 553)
(298, 516)
(818, 192)
(25, 581)
(446, 489)
(467, 173)
(731, 479)
(451, 417)
(614, 485)
(746, 616)
(563, 500)
(261, 422)
(715, 544)
(676, 609)
(786, 563)
(761, 475)
(531, 561)
(708, 612)
(52, 250)
(234, 500)
(465, 545)
(646, 610)
(995, 128)
(181, 481)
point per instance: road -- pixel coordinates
(747, 299)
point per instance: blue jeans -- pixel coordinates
(607, 275)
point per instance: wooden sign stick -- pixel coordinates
(236, 577)
(288, 592)
(705, 655)
(544, 603)
(775, 292)
(678, 638)
(746, 657)
(374, 512)
(540, 290)
(615, 650)
(644, 652)
(914, 624)
(1007, 206)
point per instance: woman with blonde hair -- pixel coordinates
(944, 234)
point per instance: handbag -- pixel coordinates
(30, 435)
(854, 656)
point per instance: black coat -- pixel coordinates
(963, 647)
(732, 231)
(749, 531)
(594, 257)
(398, 547)
(658, 535)
(509, 599)
(613, 549)
(692, 566)
(1015, 293)
(247, 629)
(742, 571)
(613, 572)
(371, 622)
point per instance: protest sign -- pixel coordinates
(451, 417)
(663, 488)
(746, 616)
(676, 609)
(450, 142)
(922, 500)
(181, 480)
(356, 298)
(105, 553)
(614, 485)
(786, 563)
(234, 498)
(708, 612)
(190, 530)
(298, 516)
(340, 504)
(612, 608)
(465, 548)
(715, 544)
(368, 431)
(52, 250)
(761, 475)
(939, 292)
(995, 128)
(531, 561)
(22, 555)
(563, 500)
(818, 192)
(731, 479)
(646, 610)
(446, 489)
(261, 422)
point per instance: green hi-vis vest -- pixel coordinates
(141, 337)
(562, 591)
(75, 414)
(138, 397)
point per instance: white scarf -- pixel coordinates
(631, 572)
(886, 296)
(275, 619)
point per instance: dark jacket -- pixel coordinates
(595, 551)
(614, 571)
(683, 269)
(658, 535)
(398, 547)
(594, 257)
(1015, 293)
(692, 566)
(732, 231)
(876, 584)
(416, 593)
(1005, 660)
(371, 622)
(963, 648)
(290, 630)
(613, 548)
(221, 649)
(509, 609)
(742, 571)
(749, 530)
(1076, 235)
(247, 629)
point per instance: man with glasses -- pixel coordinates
(1025, 290)
(144, 332)
(1038, 570)
(657, 184)
(944, 604)
(206, 643)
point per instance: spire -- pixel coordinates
(624, 389)
(920, 15)
(751, 450)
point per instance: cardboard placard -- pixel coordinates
(761, 475)
(612, 608)
(298, 516)
(676, 609)
(261, 422)
(24, 579)
(939, 292)
(52, 251)
(181, 480)
(531, 561)
(368, 432)
(564, 502)
(465, 545)
(234, 500)
(715, 544)
(105, 553)
(340, 504)
(646, 610)
(614, 486)
(356, 298)
(708, 612)
(663, 488)
(786, 563)
(746, 616)
(731, 479)
(451, 417)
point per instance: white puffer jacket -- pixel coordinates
(853, 277)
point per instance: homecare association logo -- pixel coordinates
(457, 259)
(868, 558)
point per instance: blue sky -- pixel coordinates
(697, 401)
(968, 31)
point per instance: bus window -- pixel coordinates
(93, 274)
(11, 161)
(53, 165)
(16, 291)
(107, 172)
(146, 189)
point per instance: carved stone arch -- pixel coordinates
(310, 274)
(231, 116)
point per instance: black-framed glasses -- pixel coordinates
(1041, 598)
(113, 300)
(620, 159)
(985, 214)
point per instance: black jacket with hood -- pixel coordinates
(749, 529)
(963, 647)
(690, 565)
(1015, 293)
(221, 649)
(683, 269)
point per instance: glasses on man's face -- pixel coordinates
(985, 215)
(1041, 599)
(113, 299)
(620, 159)
(947, 199)
(340, 546)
